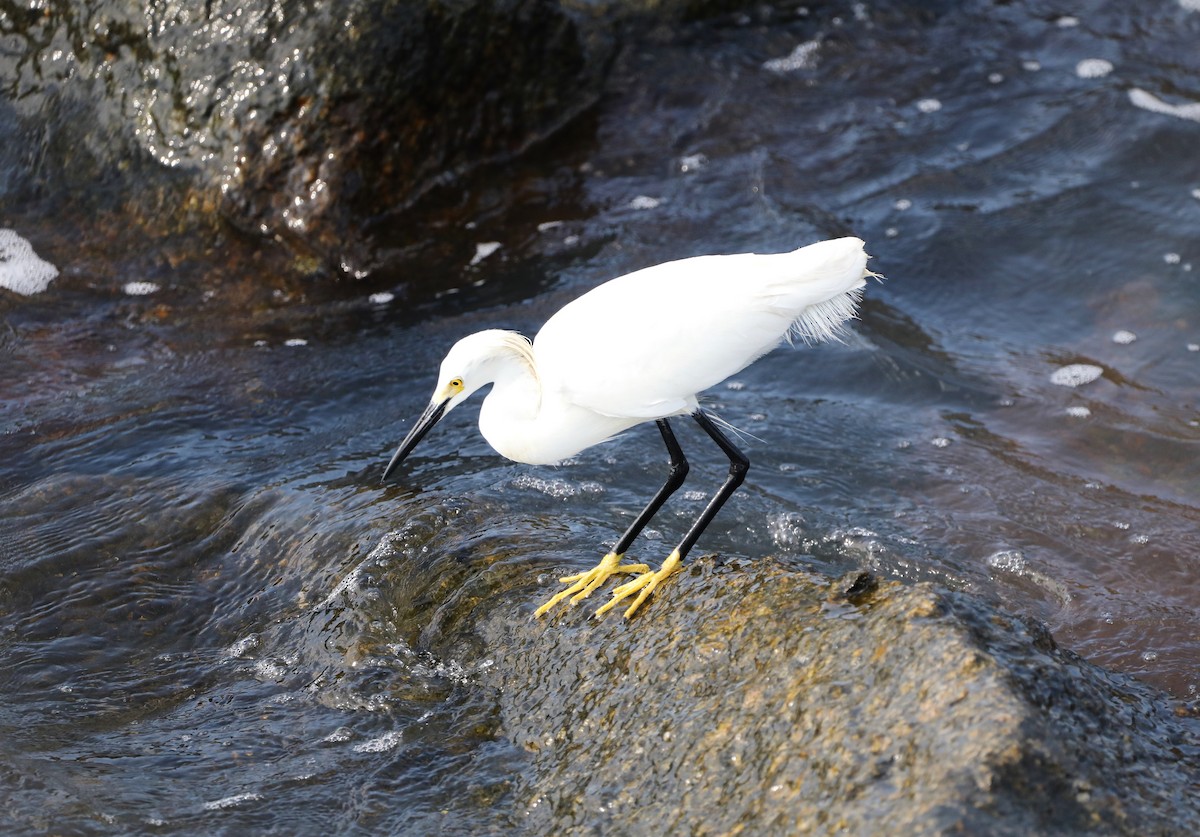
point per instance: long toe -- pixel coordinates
(643, 585)
(584, 584)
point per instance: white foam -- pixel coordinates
(295, 341)
(1123, 337)
(929, 105)
(381, 298)
(1093, 68)
(21, 269)
(231, 801)
(242, 646)
(484, 249)
(1190, 5)
(139, 288)
(1078, 411)
(1148, 101)
(644, 202)
(381, 744)
(1076, 374)
(803, 57)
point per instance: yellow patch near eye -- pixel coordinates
(456, 383)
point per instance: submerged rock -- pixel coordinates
(762, 700)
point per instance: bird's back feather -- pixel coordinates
(644, 344)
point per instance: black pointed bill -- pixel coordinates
(433, 413)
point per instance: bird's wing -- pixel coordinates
(644, 344)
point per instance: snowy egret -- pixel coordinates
(640, 348)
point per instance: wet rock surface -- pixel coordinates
(299, 120)
(756, 699)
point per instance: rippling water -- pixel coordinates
(212, 616)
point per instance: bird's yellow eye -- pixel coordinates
(456, 383)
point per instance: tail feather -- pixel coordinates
(826, 320)
(821, 288)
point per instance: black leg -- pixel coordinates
(675, 477)
(738, 466)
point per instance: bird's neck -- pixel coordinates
(509, 415)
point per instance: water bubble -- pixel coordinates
(295, 341)
(1007, 560)
(1066, 22)
(1078, 412)
(940, 442)
(644, 202)
(1124, 337)
(995, 78)
(692, 162)
(903, 204)
(381, 298)
(1149, 656)
(1031, 66)
(929, 105)
(787, 530)
(1171, 258)
(557, 488)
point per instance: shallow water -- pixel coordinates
(213, 616)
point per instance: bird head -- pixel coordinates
(472, 362)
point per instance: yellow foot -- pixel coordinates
(584, 584)
(646, 582)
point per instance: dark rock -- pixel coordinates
(746, 699)
(300, 120)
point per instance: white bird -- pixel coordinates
(640, 348)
